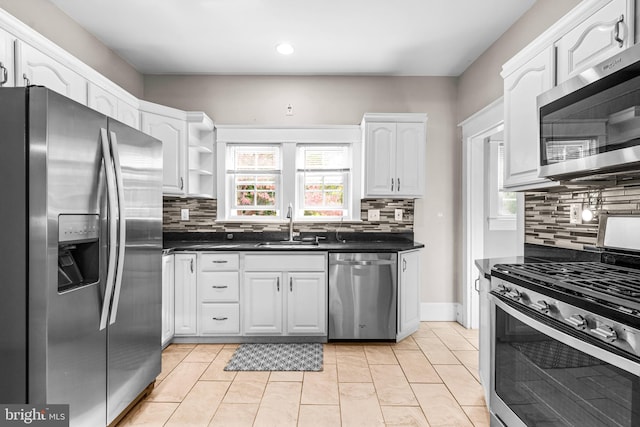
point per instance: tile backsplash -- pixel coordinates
(547, 214)
(202, 218)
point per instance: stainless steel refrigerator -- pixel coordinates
(81, 218)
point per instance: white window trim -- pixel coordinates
(288, 137)
(496, 222)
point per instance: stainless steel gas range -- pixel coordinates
(566, 338)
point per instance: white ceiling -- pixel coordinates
(330, 37)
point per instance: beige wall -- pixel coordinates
(343, 100)
(481, 83)
(48, 20)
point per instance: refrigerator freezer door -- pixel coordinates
(67, 350)
(134, 338)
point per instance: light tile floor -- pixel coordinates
(429, 379)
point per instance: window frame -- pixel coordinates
(497, 221)
(288, 139)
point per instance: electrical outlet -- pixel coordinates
(575, 212)
(398, 214)
(289, 110)
(373, 214)
(184, 214)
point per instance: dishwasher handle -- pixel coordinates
(365, 262)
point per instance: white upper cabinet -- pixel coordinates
(395, 155)
(590, 33)
(602, 35)
(201, 159)
(521, 120)
(169, 126)
(7, 64)
(109, 104)
(35, 68)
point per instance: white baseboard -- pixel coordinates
(439, 311)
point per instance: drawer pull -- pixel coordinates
(219, 261)
(220, 318)
(219, 287)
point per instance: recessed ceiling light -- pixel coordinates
(284, 49)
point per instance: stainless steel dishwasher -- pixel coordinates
(362, 296)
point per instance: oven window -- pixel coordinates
(547, 383)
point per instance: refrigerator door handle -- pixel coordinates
(122, 227)
(113, 231)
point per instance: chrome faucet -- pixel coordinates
(290, 216)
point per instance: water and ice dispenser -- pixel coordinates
(78, 251)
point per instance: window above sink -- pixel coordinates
(262, 169)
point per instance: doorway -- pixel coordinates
(486, 233)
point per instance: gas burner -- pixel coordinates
(611, 284)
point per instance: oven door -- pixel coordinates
(541, 376)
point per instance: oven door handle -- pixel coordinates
(550, 331)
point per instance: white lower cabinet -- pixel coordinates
(307, 303)
(262, 303)
(186, 318)
(285, 294)
(408, 293)
(218, 293)
(168, 285)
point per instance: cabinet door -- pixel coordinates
(599, 37)
(128, 114)
(410, 159)
(185, 294)
(35, 68)
(173, 134)
(262, 303)
(307, 303)
(408, 294)
(102, 101)
(380, 153)
(521, 120)
(7, 64)
(168, 326)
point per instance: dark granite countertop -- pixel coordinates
(538, 253)
(272, 242)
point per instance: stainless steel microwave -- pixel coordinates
(590, 124)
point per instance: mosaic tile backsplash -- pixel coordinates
(202, 216)
(547, 214)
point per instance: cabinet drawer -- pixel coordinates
(220, 319)
(219, 261)
(221, 286)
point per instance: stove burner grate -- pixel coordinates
(609, 283)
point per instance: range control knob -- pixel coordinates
(605, 332)
(577, 321)
(514, 294)
(541, 306)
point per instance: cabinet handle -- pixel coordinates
(392, 184)
(290, 284)
(27, 82)
(219, 287)
(181, 183)
(404, 265)
(398, 184)
(191, 264)
(476, 284)
(219, 318)
(5, 74)
(616, 33)
(278, 284)
(219, 261)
